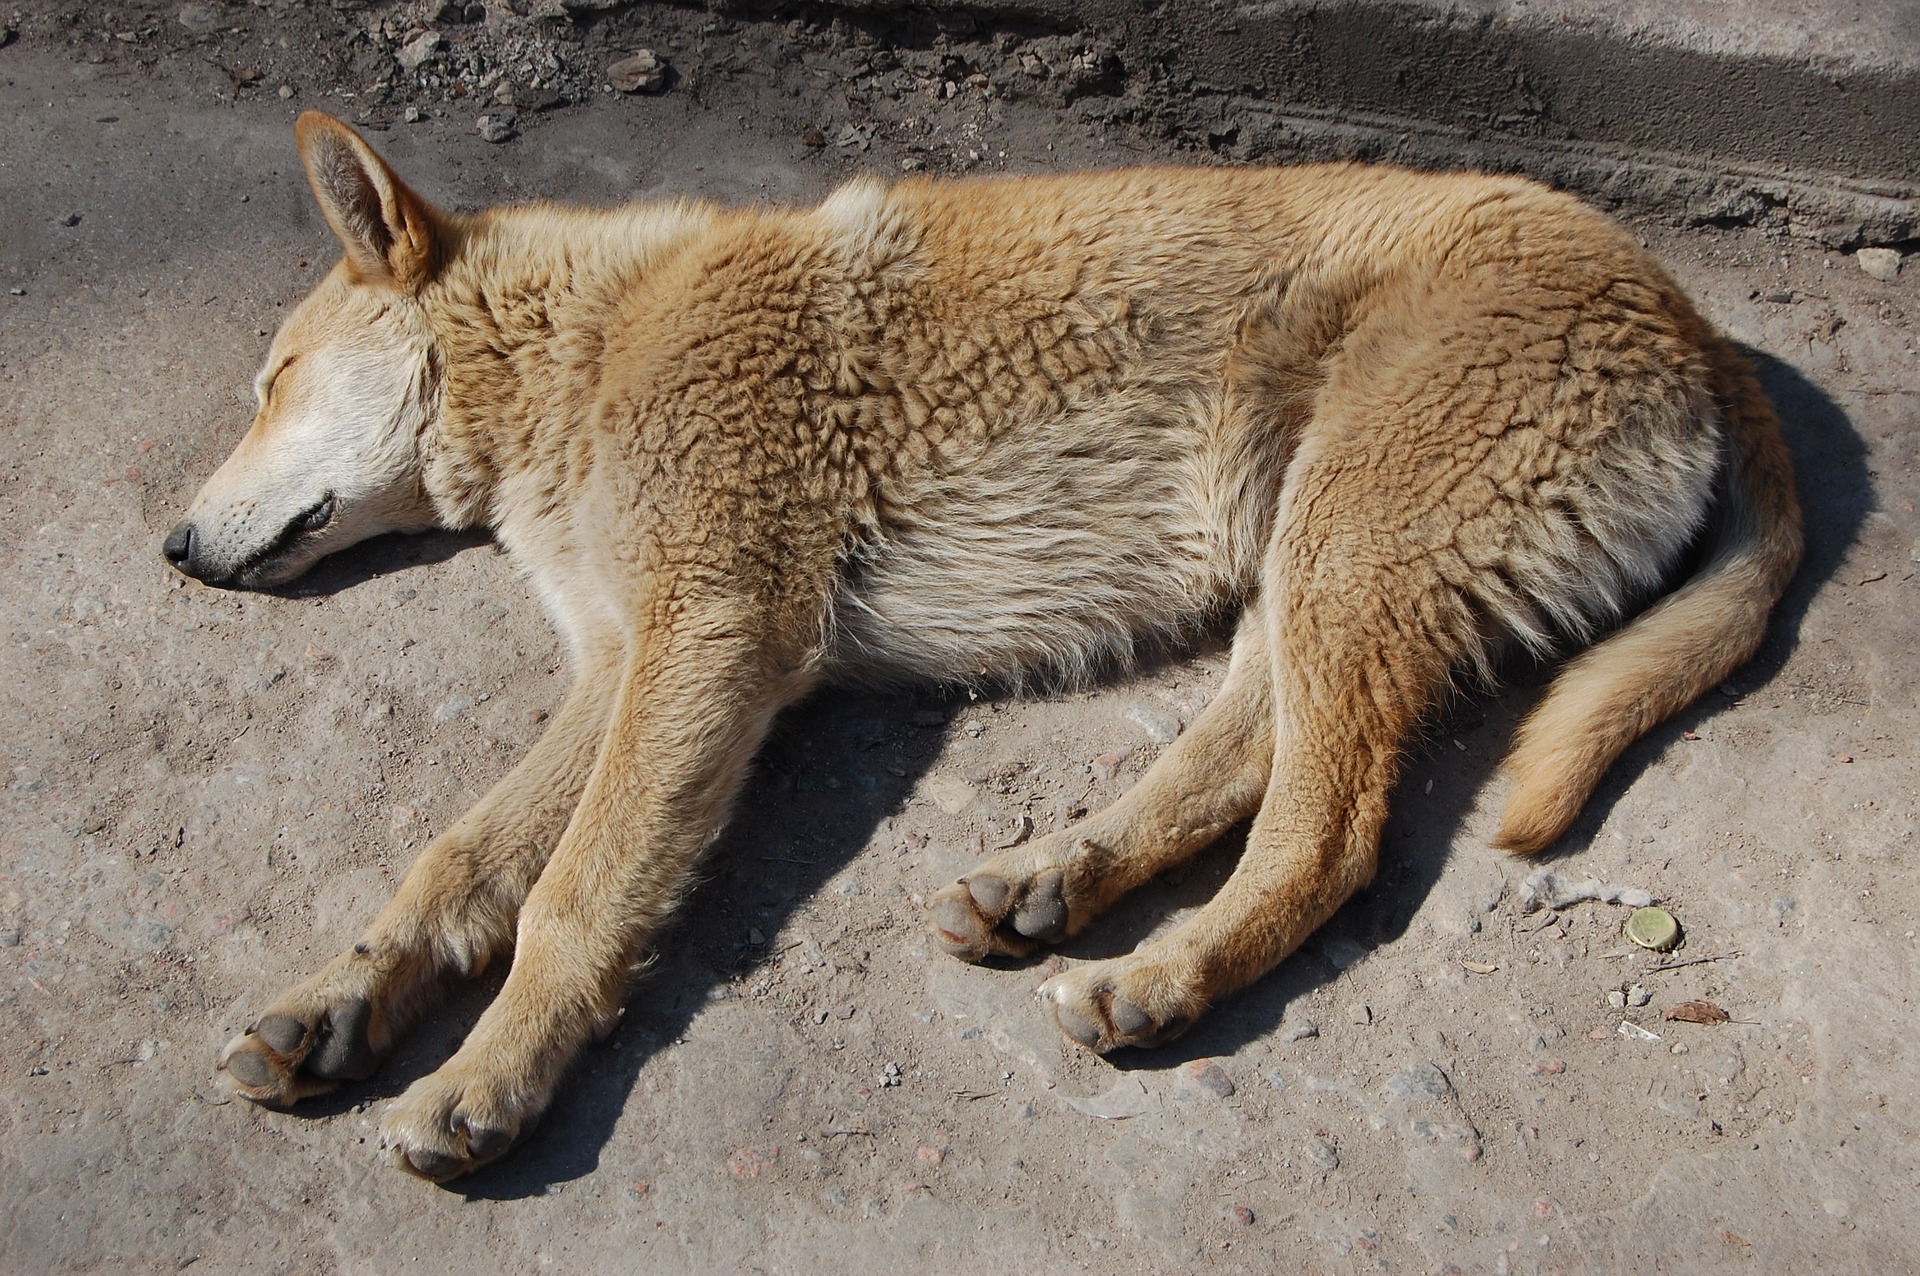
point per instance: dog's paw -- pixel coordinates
(1127, 1001)
(1016, 901)
(995, 912)
(300, 1049)
(453, 1122)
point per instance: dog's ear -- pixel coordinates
(391, 235)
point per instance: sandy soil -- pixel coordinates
(208, 792)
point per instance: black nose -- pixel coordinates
(178, 547)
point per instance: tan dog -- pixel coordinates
(987, 429)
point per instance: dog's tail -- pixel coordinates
(1689, 641)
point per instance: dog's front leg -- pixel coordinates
(693, 707)
(453, 914)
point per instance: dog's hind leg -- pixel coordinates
(454, 912)
(1363, 639)
(1209, 779)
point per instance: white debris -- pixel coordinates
(1547, 889)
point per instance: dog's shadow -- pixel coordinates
(802, 783)
(379, 557)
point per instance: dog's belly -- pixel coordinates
(1059, 550)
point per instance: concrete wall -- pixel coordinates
(1736, 111)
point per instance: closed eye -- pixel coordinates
(266, 389)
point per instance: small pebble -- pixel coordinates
(1638, 996)
(950, 793)
(1879, 263)
(1360, 1013)
(416, 52)
(284, 92)
(1209, 1076)
(644, 72)
(1305, 1030)
(1321, 1153)
(496, 127)
(199, 18)
(1548, 1068)
(1616, 999)
(1243, 1216)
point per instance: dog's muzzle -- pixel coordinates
(186, 549)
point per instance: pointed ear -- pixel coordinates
(391, 235)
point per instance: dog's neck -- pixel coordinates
(520, 315)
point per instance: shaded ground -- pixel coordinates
(207, 792)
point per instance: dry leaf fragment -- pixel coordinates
(1697, 1012)
(240, 75)
(1479, 967)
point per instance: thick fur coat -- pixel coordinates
(991, 430)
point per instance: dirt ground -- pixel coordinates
(208, 792)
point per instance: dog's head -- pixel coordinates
(349, 388)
